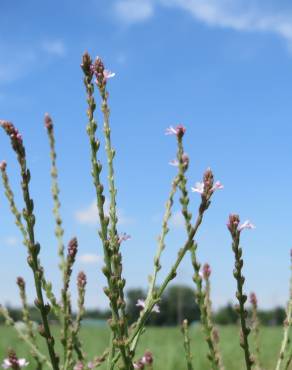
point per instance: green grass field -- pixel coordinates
(166, 345)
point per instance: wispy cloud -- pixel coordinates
(90, 258)
(19, 60)
(89, 215)
(233, 15)
(15, 63)
(177, 220)
(133, 11)
(11, 241)
(54, 47)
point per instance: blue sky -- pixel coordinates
(222, 68)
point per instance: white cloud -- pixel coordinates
(16, 64)
(54, 47)
(177, 220)
(89, 215)
(11, 241)
(89, 258)
(231, 14)
(132, 11)
(19, 60)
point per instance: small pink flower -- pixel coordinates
(170, 131)
(232, 224)
(141, 303)
(246, 225)
(147, 359)
(185, 161)
(206, 271)
(108, 74)
(90, 365)
(174, 162)
(8, 363)
(138, 365)
(218, 186)
(156, 308)
(198, 188)
(48, 122)
(179, 130)
(123, 237)
(253, 299)
(78, 366)
(3, 165)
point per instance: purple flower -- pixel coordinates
(11, 131)
(217, 186)
(207, 186)
(81, 280)
(185, 161)
(72, 248)
(198, 188)
(206, 271)
(233, 223)
(141, 303)
(108, 74)
(3, 165)
(174, 162)
(78, 366)
(14, 363)
(138, 365)
(234, 227)
(179, 130)
(123, 237)
(253, 299)
(147, 359)
(246, 225)
(48, 122)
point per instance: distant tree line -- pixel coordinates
(177, 303)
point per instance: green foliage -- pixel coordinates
(176, 304)
(226, 315)
(166, 345)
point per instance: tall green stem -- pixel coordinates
(33, 247)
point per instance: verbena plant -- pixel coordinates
(121, 349)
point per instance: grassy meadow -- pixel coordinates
(167, 346)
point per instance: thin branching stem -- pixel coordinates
(114, 238)
(183, 162)
(111, 290)
(19, 223)
(187, 344)
(235, 232)
(26, 319)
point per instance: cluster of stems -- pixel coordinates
(124, 339)
(25, 221)
(108, 223)
(32, 246)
